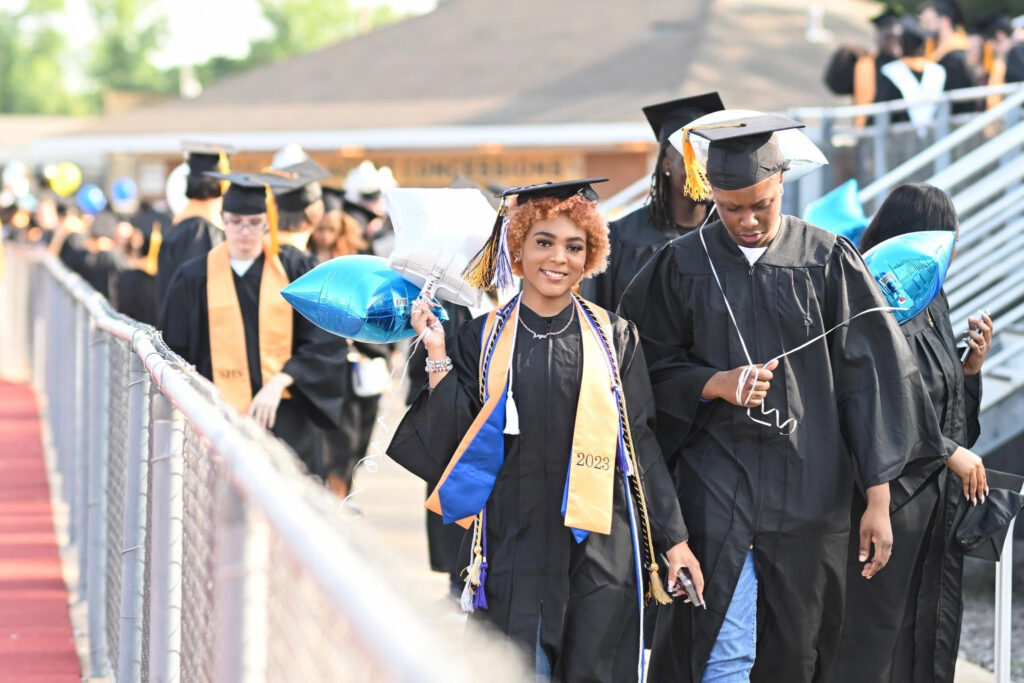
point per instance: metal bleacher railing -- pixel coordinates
(203, 552)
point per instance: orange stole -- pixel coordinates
(502, 358)
(227, 331)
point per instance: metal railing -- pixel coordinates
(204, 554)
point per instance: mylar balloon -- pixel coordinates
(174, 189)
(124, 190)
(839, 211)
(911, 268)
(66, 179)
(357, 297)
(802, 154)
(90, 199)
(437, 233)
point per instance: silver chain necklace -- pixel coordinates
(572, 316)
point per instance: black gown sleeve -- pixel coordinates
(653, 301)
(179, 316)
(972, 408)
(885, 413)
(319, 363)
(667, 526)
(437, 420)
(600, 289)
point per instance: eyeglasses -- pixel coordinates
(251, 225)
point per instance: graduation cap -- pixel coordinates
(334, 199)
(668, 117)
(741, 153)
(993, 24)
(982, 530)
(886, 19)
(491, 267)
(948, 8)
(207, 156)
(253, 193)
(300, 186)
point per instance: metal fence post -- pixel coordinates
(1004, 610)
(241, 602)
(77, 416)
(945, 112)
(166, 464)
(98, 432)
(882, 119)
(129, 664)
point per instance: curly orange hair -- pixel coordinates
(580, 211)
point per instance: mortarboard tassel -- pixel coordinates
(156, 238)
(275, 246)
(223, 167)
(511, 413)
(491, 267)
(697, 186)
(468, 600)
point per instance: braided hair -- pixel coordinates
(660, 199)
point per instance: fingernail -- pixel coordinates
(975, 501)
(983, 499)
(986, 490)
(862, 557)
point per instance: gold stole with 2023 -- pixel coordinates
(228, 354)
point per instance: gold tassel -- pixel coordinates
(989, 57)
(156, 238)
(697, 186)
(275, 246)
(656, 590)
(482, 267)
(223, 167)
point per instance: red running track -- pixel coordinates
(35, 630)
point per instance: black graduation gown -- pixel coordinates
(188, 239)
(98, 268)
(904, 624)
(741, 484)
(317, 363)
(580, 598)
(443, 540)
(634, 239)
(958, 75)
(133, 293)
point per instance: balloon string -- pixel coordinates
(371, 461)
(789, 425)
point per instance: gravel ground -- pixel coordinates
(976, 636)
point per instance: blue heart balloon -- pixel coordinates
(911, 268)
(839, 212)
(357, 297)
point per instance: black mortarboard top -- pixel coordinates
(491, 267)
(885, 19)
(299, 187)
(948, 8)
(207, 156)
(982, 530)
(560, 190)
(741, 153)
(668, 117)
(334, 199)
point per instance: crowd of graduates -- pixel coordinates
(687, 432)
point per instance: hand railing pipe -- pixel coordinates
(1004, 610)
(855, 110)
(98, 431)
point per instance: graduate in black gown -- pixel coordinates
(570, 599)
(769, 503)
(133, 291)
(945, 19)
(93, 254)
(265, 358)
(197, 229)
(904, 625)
(668, 212)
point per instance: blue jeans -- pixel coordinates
(732, 656)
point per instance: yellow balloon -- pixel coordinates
(66, 179)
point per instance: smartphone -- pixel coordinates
(686, 580)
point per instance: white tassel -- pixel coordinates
(511, 414)
(472, 582)
(467, 598)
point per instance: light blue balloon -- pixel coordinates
(91, 199)
(357, 297)
(124, 190)
(911, 268)
(839, 212)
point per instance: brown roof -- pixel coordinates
(535, 61)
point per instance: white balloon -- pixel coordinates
(289, 155)
(13, 172)
(798, 149)
(438, 231)
(174, 190)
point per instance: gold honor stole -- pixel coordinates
(227, 331)
(467, 482)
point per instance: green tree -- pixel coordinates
(299, 26)
(31, 53)
(129, 31)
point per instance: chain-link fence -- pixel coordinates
(204, 553)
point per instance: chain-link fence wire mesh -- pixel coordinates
(201, 471)
(120, 365)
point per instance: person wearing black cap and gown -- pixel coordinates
(944, 19)
(767, 504)
(854, 70)
(197, 229)
(300, 207)
(668, 212)
(569, 598)
(225, 315)
(912, 76)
